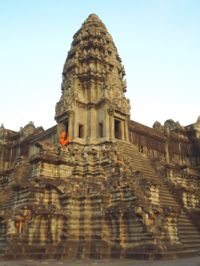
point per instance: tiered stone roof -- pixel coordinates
(93, 54)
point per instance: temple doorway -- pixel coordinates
(117, 129)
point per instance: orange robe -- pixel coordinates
(64, 139)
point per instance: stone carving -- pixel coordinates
(190, 200)
(172, 125)
(93, 68)
(2, 132)
(27, 129)
(114, 93)
(68, 100)
(3, 180)
(157, 125)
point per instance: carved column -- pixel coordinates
(126, 135)
(123, 130)
(111, 124)
(180, 153)
(106, 125)
(71, 124)
(167, 152)
(167, 157)
(92, 122)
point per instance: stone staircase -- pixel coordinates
(3, 240)
(14, 198)
(146, 166)
(188, 234)
(20, 173)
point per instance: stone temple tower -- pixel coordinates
(118, 189)
(93, 107)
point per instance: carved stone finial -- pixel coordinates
(93, 16)
(157, 125)
(171, 124)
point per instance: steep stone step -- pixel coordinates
(185, 222)
(167, 196)
(167, 201)
(3, 238)
(190, 237)
(185, 226)
(188, 234)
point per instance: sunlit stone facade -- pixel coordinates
(118, 189)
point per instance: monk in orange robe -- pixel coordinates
(64, 139)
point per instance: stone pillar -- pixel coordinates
(122, 126)
(112, 128)
(167, 157)
(59, 129)
(167, 152)
(125, 135)
(88, 129)
(75, 124)
(126, 129)
(180, 152)
(93, 122)
(106, 123)
(111, 124)
(71, 124)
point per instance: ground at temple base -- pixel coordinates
(195, 261)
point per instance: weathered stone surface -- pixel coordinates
(118, 189)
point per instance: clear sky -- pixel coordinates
(158, 41)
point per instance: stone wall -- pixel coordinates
(164, 144)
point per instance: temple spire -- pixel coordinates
(93, 54)
(92, 76)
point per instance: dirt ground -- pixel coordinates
(195, 261)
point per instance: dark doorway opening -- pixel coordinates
(80, 131)
(117, 129)
(66, 128)
(101, 130)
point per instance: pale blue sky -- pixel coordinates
(158, 41)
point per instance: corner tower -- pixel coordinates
(93, 107)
